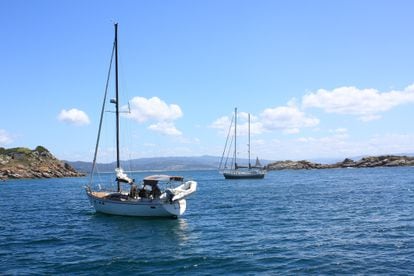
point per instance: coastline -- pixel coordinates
(365, 162)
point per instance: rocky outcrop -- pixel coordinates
(294, 165)
(366, 162)
(38, 163)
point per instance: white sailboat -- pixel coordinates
(155, 196)
(237, 171)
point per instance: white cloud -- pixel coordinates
(340, 130)
(364, 103)
(392, 143)
(5, 138)
(223, 124)
(143, 110)
(155, 109)
(258, 142)
(166, 128)
(243, 116)
(291, 131)
(255, 127)
(287, 118)
(149, 145)
(74, 116)
(302, 139)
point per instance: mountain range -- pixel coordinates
(183, 163)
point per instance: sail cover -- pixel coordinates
(163, 177)
(123, 177)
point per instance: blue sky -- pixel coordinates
(322, 79)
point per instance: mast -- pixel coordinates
(248, 149)
(235, 138)
(117, 103)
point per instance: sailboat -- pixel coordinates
(154, 196)
(237, 171)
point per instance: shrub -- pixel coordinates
(41, 149)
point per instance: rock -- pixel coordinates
(46, 175)
(396, 163)
(366, 162)
(294, 165)
(347, 163)
(38, 163)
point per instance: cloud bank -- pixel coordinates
(366, 104)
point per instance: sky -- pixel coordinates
(321, 79)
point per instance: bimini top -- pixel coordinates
(163, 177)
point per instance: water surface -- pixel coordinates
(316, 221)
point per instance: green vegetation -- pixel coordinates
(22, 150)
(41, 149)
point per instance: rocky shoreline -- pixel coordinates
(16, 163)
(366, 162)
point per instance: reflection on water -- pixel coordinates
(143, 230)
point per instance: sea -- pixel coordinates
(335, 221)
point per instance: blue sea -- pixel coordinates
(338, 221)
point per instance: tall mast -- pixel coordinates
(248, 149)
(117, 102)
(235, 138)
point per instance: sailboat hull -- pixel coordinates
(244, 174)
(138, 208)
(238, 175)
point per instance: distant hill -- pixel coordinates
(182, 163)
(38, 163)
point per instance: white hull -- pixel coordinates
(138, 207)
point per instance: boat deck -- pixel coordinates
(99, 194)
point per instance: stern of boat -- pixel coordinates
(176, 208)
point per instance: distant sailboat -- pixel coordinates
(155, 196)
(237, 171)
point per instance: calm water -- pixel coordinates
(318, 221)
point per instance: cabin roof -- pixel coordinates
(163, 177)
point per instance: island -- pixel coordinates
(16, 163)
(366, 162)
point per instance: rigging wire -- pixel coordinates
(225, 145)
(102, 113)
(229, 150)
